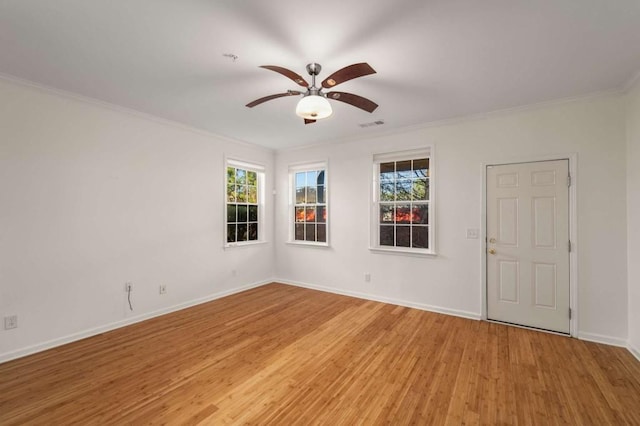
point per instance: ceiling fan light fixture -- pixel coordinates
(314, 107)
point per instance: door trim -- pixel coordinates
(573, 231)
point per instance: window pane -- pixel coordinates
(311, 178)
(322, 233)
(252, 178)
(403, 190)
(253, 213)
(321, 214)
(242, 232)
(421, 168)
(403, 169)
(310, 215)
(320, 179)
(403, 213)
(231, 212)
(403, 236)
(387, 191)
(321, 194)
(387, 171)
(231, 193)
(386, 214)
(420, 213)
(253, 231)
(299, 232)
(241, 193)
(231, 175)
(300, 180)
(242, 213)
(386, 235)
(311, 194)
(421, 189)
(310, 232)
(300, 195)
(252, 195)
(420, 237)
(299, 214)
(241, 177)
(231, 233)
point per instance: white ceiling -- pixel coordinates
(436, 59)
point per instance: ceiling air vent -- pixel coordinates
(373, 123)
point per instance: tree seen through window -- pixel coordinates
(310, 207)
(242, 205)
(404, 203)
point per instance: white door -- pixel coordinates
(528, 244)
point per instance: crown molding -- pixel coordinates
(463, 119)
(128, 111)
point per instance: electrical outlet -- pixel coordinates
(367, 277)
(163, 289)
(10, 322)
(473, 233)
(128, 287)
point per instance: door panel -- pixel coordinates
(545, 285)
(527, 244)
(544, 225)
(508, 221)
(509, 277)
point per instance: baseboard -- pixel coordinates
(600, 338)
(634, 351)
(366, 296)
(29, 350)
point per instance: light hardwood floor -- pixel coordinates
(285, 355)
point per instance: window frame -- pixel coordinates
(259, 169)
(308, 167)
(396, 156)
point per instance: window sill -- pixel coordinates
(308, 244)
(403, 252)
(243, 244)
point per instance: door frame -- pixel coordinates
(573, 230)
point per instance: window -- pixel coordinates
(402, 208)
(309, 201)
(243, 203)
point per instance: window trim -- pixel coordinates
(301, 167)
(427, 151)
(260, 170)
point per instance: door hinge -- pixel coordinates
(568, 180)
(569, 246)
(569, 313)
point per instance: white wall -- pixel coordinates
(92, 197)
(633, 215)
(451, 282)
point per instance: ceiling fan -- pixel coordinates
(314, 104)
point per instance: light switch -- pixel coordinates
(473, 233)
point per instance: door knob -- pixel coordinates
(492, 251)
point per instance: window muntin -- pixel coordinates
(310, 206)
(243, 207)
(402, 209)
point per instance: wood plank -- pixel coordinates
(285, 355)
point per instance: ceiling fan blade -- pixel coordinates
(355, 100)
(270, 97)
(348, 73)
(306, 121)
(297, 78)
